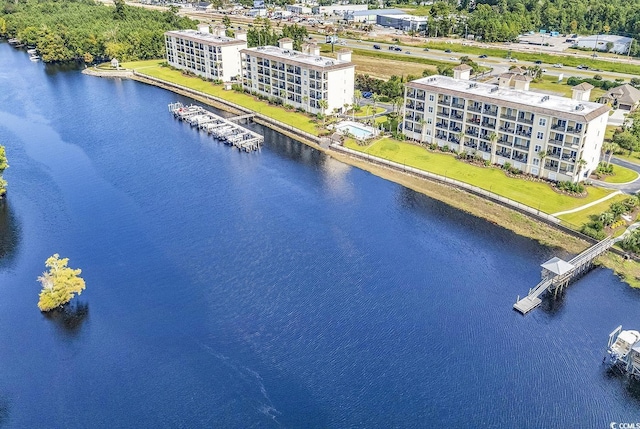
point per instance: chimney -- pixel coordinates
(203, 28)
(344, 55)
(581, 92)
(314, 49)
(285, 43)
(462, 72)
(241, 35)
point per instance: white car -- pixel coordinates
(453, 58)
(558, 66)
(513, 60)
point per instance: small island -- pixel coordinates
(59, 284)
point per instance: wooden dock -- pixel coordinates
(557, 274)
(222, 129)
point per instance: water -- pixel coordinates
(267, 290)
(358, 131)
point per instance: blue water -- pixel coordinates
(265, 290)
(358, 132)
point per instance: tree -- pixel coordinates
(626, 140)
(324, 104)
(610, 148)
(59, 284)
(581, 165)
(542, 155)
(3, 166)
(226, 21)
(493, 138)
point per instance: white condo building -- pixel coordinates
(508, 123)
(210, 55)
(300, 79)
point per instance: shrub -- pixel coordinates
(604, 168)
(506, 166)
(433, 146)
(587, 230)
(567, 186)
(445, 148)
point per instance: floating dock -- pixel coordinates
(225, 130)
(624, 350)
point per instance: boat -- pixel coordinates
(623, 343)
(34, 58)
(624, 350)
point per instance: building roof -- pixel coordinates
(208, 38)
(520, 99)
(625, 94)
(557, 266)
(378, 12)
(605, 38)
(405, 17)
(522, 78)
(584, 86)
(296, 57)
(463, 67)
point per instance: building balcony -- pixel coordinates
(458, 105)
(442, 115)
(568, 158)
(507, 129)
(489, 125)
(508, 117)
(521, 146)
(525, 121)
(490, 112)
(558, 127)
(457, 116)
(455, 129)
(553, 155)
(575, 130)
(505, 141)
(557, 142)
(472, 133)
(444, 102)
(471, 145)
(473, 120)
(523, 133)
(441, 125)
(441, 136)
(476, 109)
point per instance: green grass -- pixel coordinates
(368, 111)
(578, 218)
(621, 175)
(152, 68)
(567, 60)
(550, 83)
(534, 194)
(397, 57)
(381, 119)
(634, 157)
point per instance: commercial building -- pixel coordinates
(338, 9)
(210, 55)
(370, 16)
(300, 79)
(540, 134)
(403, 22)
(606, 43)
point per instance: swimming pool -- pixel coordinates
(357, 130)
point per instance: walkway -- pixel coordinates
(586, 206)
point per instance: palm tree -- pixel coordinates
(305, 99)
(324, 104)
(397, 103)
(493, 138)
(357, 96)
(461, 139)
(375, 98)
(346, 108)
(581, 164)
(610, 148)
(423, 128)
(542, 155)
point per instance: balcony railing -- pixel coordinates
(574, 130)
(489, 125)
(444, 102)
(490, 112)
(526, 121)
(558, 142)
(507, 129)
(473, 108)
(508, 117)
(523, 133)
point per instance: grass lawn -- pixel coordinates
(634, 157)
(368, 111)
(381, 119)
(534, 194)
(551, 84)
(621, 175)
(295, 119)
(575, 220)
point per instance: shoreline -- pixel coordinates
(520, 223)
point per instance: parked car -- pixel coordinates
(537, 62)
(513, 60)
(558, 65)
(397, 48)
(448, 51)
(367, 94)
(376, 46)
(582, 67)
(391, 48)
(483, 56)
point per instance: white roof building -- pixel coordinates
(212, 56)
(508, 124)
(300, 79)
(618, 44)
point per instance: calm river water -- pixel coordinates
(272, 289)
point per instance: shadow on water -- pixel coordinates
(631, 384)
(4, 411)
(70, 318)
(9, 233)
(52, 69)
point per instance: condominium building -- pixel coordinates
(558, 138)
(210, 55)
(300, 79)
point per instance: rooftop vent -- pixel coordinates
(580, 107)
(318, 60)
(545, 98)
(494, 89)
(431, 79)
(473, 85)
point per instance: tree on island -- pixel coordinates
(3, 166)
(59, 284)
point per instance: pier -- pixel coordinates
(225, 130)
(557, 273)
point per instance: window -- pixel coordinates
(537, 148)
(431, 97)
(428, 132)
(543, 122)
(536, 161)
(430, 109)
(429, 121)
(540, 135)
